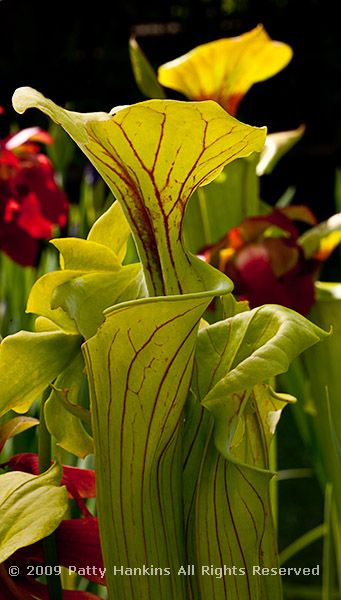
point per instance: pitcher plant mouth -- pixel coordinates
(154, 155)
(224, 70)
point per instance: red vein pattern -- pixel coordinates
(153, 156)
(228, 517)
(137, 403)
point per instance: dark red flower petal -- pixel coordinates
(18, 245)
(78, 545)
(26, 588)
(11, 210)
(255, 281)
(31, 220)
(253, 227)
(39, 179)
(8, 159)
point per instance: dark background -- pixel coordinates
(78, 52)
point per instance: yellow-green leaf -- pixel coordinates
(226, 452)
(262, 343)
(31, 507)
(45, 324)
(224, 70)
(137, 401)
(29, 362)
(111, 230)
(39, 300)
(85, 255)
(85, 298)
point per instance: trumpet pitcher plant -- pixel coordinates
(182, 413)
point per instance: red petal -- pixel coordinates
(17, 244)
(28, 589)
(8, 158)
(11, 210)
(39, 179)
(78, 545)
(31, 220)
(253, 227)
(255, 281)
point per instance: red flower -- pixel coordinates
(265, 261)
(31, 203)
(77, 541)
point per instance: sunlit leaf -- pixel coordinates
(85, 298)
(111, 230)
(154, 155)
(224, 70)
(29, 362)
(261, 344)
(85, 255)
(31, 507)
(137, 404)
(44, 324)
(39, 301)
(226, 452)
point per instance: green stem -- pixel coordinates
(49, 544)
(328, 563)
(274, 481)
(273, 489)
(303, 541)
